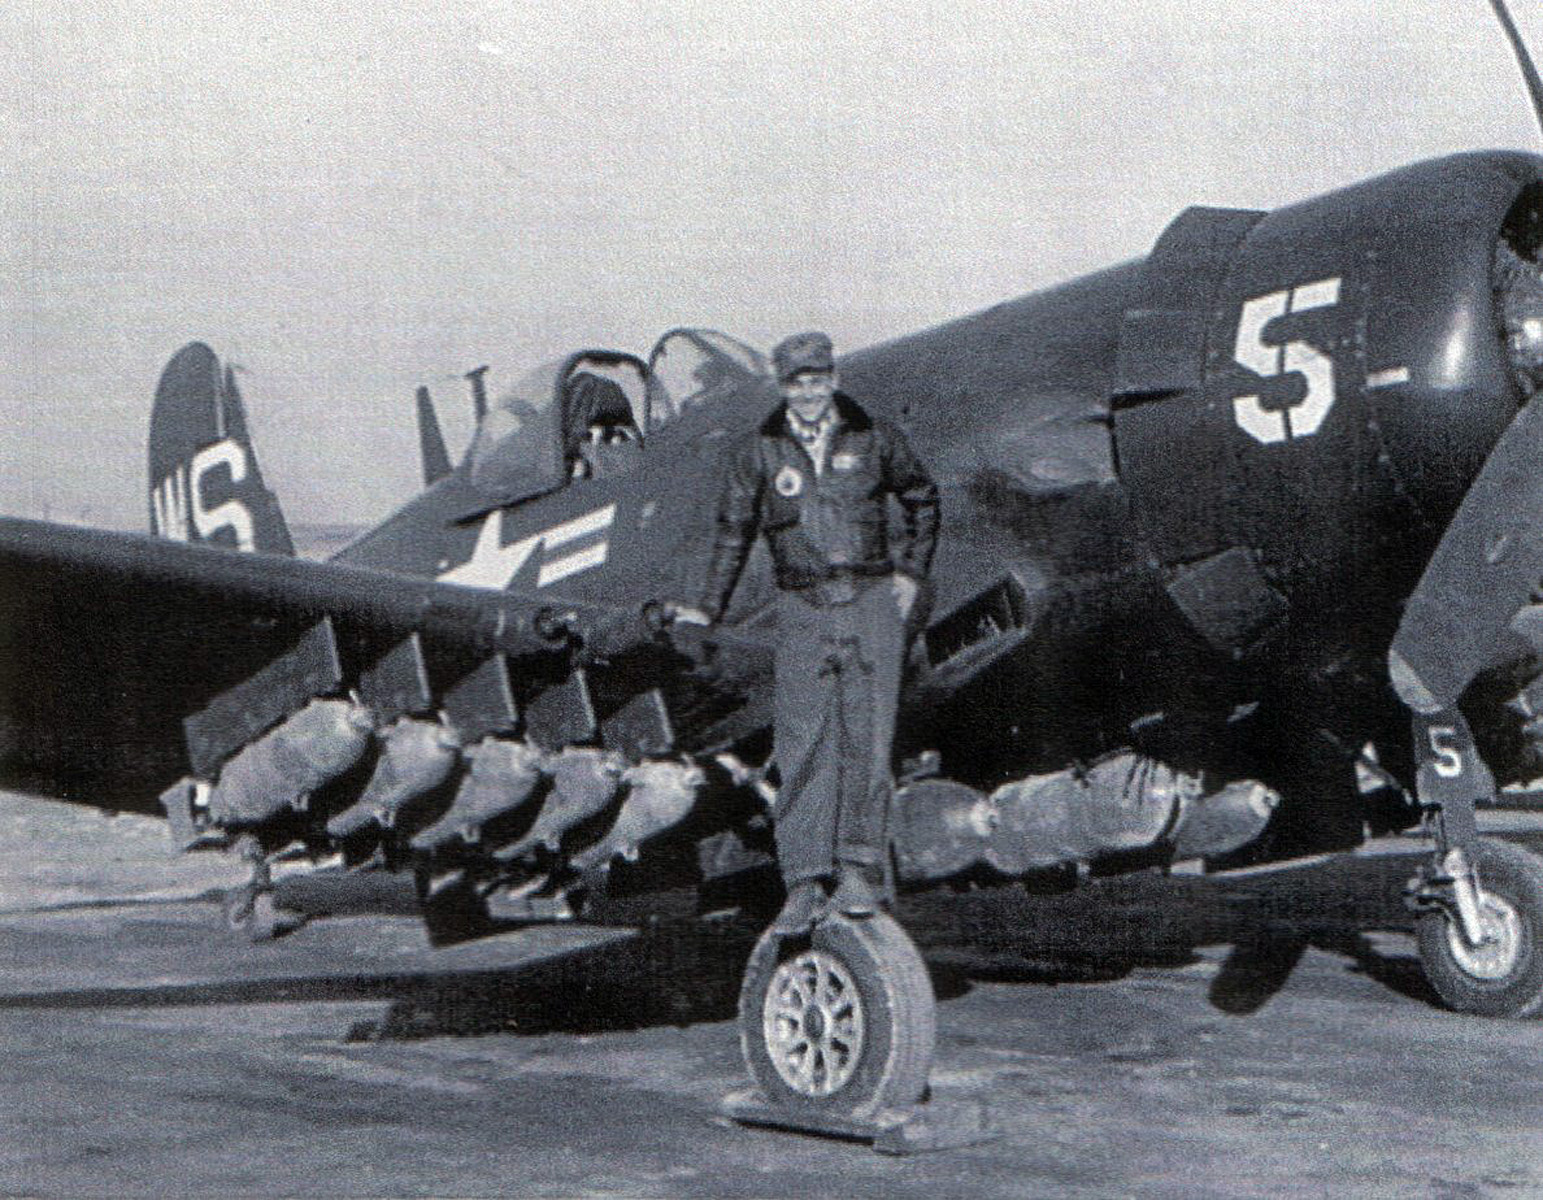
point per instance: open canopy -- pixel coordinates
(698, 368)
(526, 444)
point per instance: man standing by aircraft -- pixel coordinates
(816, 478)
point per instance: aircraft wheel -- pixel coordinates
(257, 916)
(840, 1023)
(1503, 977)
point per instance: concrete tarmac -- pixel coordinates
(1151, 1036)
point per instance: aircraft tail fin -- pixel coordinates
(205, 484)
(431, 442)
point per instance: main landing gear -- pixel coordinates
(1479, 901)
(837, 1029)
(1480, 929)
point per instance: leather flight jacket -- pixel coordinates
(826, 529)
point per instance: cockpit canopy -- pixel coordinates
(526, 444)
(698, 368)
(535, 435)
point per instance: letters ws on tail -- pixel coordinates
(204, 481)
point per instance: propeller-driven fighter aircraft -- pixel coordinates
(1221, 526)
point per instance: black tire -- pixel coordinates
(1505, 980)
(877, 1051)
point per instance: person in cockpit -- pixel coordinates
(600, 436)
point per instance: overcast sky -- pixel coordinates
(349, 198)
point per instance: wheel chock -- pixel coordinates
(938, 1124)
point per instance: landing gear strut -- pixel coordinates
(1479, 901)
(250, 911)
(1499, 972)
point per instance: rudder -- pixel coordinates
(204, 481)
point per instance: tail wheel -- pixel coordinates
(1503, 975)
(840, 1023)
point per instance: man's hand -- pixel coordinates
(905, 589)
(685, 614)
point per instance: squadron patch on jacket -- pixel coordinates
(845, 461)
(788, 482)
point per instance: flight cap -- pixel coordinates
(803, 352)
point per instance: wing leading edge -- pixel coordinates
(112, 641)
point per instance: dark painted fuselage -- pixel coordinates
(1184, 500)
(1174, 491)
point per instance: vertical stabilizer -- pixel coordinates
(205, 484)
(431, 442)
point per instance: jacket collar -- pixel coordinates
(850, 414)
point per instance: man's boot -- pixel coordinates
(853, 896)
(805, 904)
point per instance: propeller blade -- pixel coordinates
(1529, 70)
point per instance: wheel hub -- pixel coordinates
(813, 1024)
(1495, 957)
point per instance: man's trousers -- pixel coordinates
(838, 681)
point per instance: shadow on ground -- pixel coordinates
(1105, 930)
(681, 972)
(664, 975)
